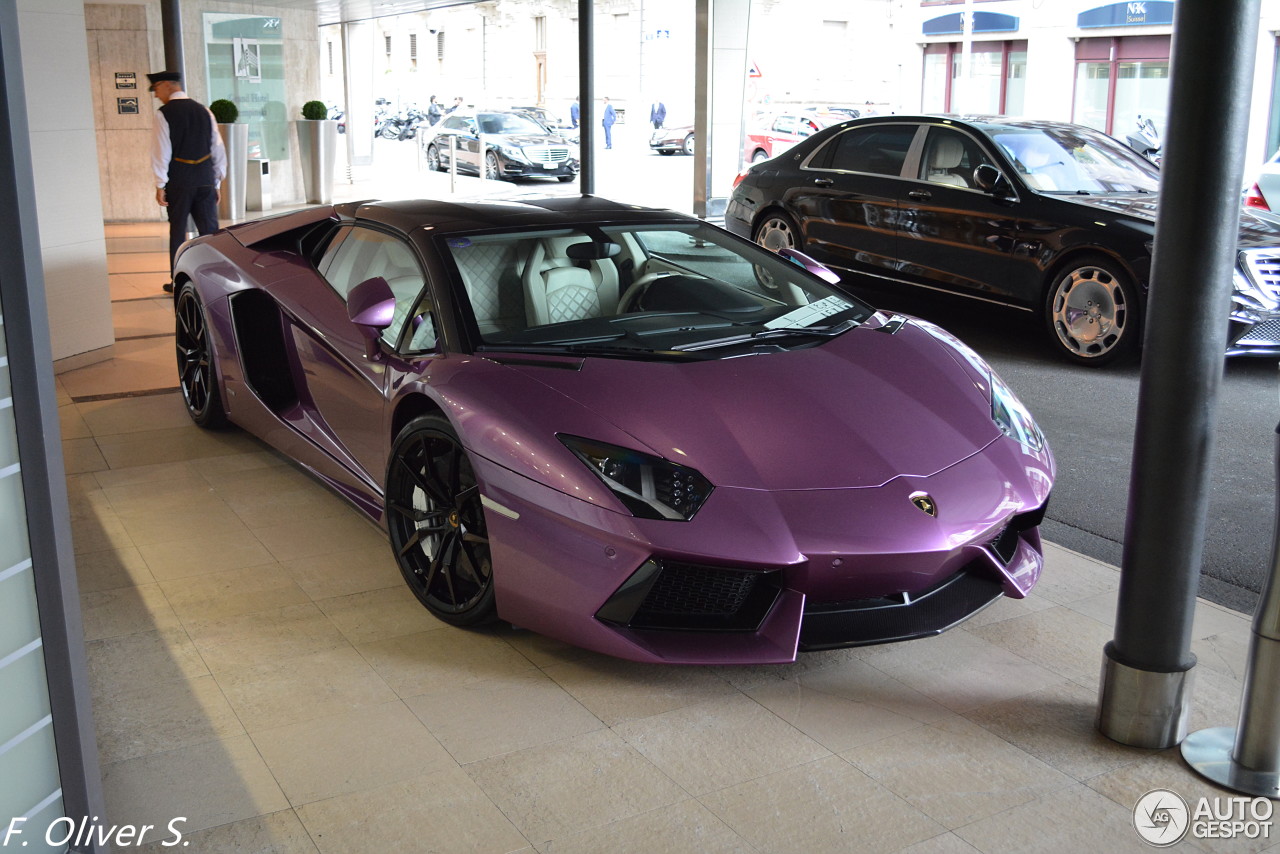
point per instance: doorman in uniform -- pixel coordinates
(188, 159)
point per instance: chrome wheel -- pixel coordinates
(778, 231)
(492, 170)
(1092, 312)
(437, 523)
(196, 375)
(433, 159)
(688, 145)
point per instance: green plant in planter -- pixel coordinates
(224, 111)
(315, 110)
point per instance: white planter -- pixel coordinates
(318, 148)
(235, 137)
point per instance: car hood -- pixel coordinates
(522, 140)
(1253, 231)
(858, 411)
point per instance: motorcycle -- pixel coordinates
(402, 125)
(1145, 140)
(336, 113)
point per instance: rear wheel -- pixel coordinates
(565, 179)
(197, 372)
(776, 231)
(760, 156)
(688, 145)
(1091, 309)
(437, 523)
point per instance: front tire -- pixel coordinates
(437, 523)
(197, 370)
(433, 159)
(688, 145)
(1091, 310)
(492, 169)
(776, 231)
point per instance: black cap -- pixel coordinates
(164, 77)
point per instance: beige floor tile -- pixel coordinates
(540, 649)
(137, 262)
(202, 555)
(1214, 619)
(256, 478)
(154, 717)
(859, 682)
(283, 507)
(207, 784)
(719, 743)
(1069, 820)
(1058, 639)
(684, 827)
(144, 364)
(946, 843)
(147, 473)
(1226, 653)
(379, 615)
(359, 750)
(120, 663)
(232, 593)
(178, 496)
(99, 530)
(573, 785)
(956, 772)
(312, 537)
(616, 691)
(434, 660)
(210, 518)
(1057, 725)
(459, 817)
(1070, 576)
(824, 806)
(233, 644)
(1101, 607)
(1005, 608)
(346, 573)
(278, 833)
(131, 286)
(142, 317)
(834, 721)
(487, 719)
(126, 611)
(173, 444)
(82, 455)
(960, 670)
(110, 569)
(72, 423)
(222, 469)
(330, 682)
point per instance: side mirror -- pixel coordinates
(799, 258)
(371, 306)
(991, 179)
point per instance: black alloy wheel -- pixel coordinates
(492, 169)
(197, 374)
(437, 524)
(433, 159)
(1091, 309)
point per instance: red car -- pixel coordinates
(785, 130)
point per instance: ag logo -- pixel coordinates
(1161, 817)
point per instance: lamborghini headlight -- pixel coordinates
(650, 487)
(1012, 417)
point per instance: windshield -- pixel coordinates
(1075, 160)
(685, 291)
(510, 123)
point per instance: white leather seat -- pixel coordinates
(558, 288)
(945, 155)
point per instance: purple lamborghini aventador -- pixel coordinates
(620, 427)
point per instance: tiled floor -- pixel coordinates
(259, 669)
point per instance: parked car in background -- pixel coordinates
(550, 121)
(1047, 217)
(500, 144)
(784, 130)
(553, 407)
(670, 140)
(1262, 197)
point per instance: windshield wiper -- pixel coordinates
(780, 332)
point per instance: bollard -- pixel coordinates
(1247, 758)
(453, 163)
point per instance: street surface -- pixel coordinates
(1087, 414)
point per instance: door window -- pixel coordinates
(878, 150)
(363, 253)
(950, 158)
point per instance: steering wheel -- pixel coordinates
(639, 286)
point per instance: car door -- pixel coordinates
(343, 406)
(953, 234)
(461, 132)
(846, 197)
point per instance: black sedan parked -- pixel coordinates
(500, 144)
(1042, 216)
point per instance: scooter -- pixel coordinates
(1145, 140)
(402, 125)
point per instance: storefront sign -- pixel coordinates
(983, 22)
(126, 80)
(1143, 13)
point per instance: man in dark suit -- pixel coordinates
(188, 159)
(610, 116)
(657, 114)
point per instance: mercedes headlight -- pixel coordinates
(1012, 417)
(650, 487)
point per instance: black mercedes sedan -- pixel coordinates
(1046, 217)
(499, 145)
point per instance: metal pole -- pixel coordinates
(586, 98)
(1146, 682)
(702, 108)
(1247, 758)
(171, 25)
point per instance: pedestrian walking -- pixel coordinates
(610, 116)
(657, 114)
